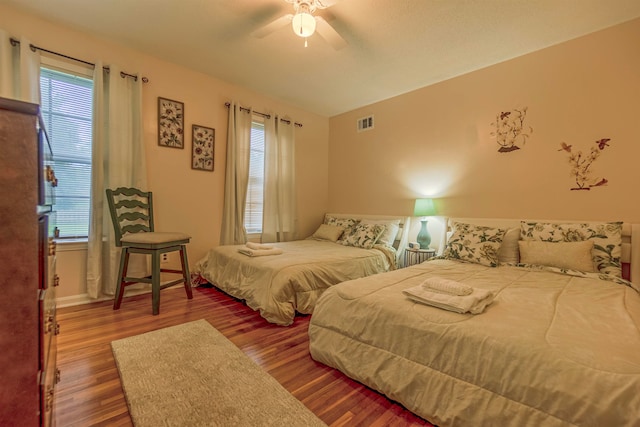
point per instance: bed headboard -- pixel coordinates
(630, 239)
(402, 238)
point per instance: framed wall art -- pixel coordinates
(202, 155)
(170, 123)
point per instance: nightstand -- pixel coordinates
(416, 256)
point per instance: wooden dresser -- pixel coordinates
(28, 326)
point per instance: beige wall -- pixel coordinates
(436, 141)
(185, 199)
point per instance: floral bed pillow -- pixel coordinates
(345, 223)
(606, 236)
(391, 227)
(475, 243)
(341, 222)
(362, 235)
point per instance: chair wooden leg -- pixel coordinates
(185, 271)
(155, 282)
(122, 273)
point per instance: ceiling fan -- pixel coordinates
(304, 23)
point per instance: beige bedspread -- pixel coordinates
(552, 350)
(280, 285)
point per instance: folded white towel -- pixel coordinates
(258, 246)
(474, 303)
(260, 252)
(447, 286)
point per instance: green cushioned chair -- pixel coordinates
(132, 217)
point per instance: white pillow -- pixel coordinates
(570, 255)
(328, 232)
(390, 232)
(509, 250)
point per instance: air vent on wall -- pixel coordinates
(365, 123)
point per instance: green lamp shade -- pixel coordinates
(424, 207)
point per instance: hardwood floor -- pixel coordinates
(90, 394)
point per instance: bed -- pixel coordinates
(344, 247)
(556, 347)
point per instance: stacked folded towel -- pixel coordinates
(258, 249)
(447, 286)
(450, 295)
(252, 245)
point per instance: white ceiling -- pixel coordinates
(394, 46)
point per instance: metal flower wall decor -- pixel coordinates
(510, 130)
(581, 164)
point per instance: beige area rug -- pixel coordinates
(191, 375)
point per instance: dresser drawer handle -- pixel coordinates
(52, 246)
(50, 176)
(48, 324)
(49, 399)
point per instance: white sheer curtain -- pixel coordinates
(236, 176)
(19, 70)
(279, 215)
(118, 160)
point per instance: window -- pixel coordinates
(255, 189)
(67, 111)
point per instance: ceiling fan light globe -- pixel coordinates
(303, 24)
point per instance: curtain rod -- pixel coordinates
(266, 116)
(34, 48)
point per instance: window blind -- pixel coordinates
(255, 188)
(66, 107)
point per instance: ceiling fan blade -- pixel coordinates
(323, 4)
(272, 26)
(328, 33)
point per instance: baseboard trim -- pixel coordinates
(82, 299)
(73, 300)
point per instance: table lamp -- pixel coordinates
(424, 208)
